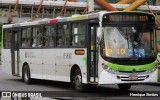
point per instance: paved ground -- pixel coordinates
(65, 91)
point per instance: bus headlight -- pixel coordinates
(152, 70)
(106, 68)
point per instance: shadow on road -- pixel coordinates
(64, 89)
(92, 91)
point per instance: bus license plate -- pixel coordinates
(133, 77)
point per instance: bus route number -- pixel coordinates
(118, 51)
(108, 51)
(121, 51)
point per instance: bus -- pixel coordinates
(158, 49)
(97, 48)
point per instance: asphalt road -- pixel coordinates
(65, 91)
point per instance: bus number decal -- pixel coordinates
(29, 54)
(67, 55)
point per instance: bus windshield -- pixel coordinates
(128, 42)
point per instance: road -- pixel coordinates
(61, 90)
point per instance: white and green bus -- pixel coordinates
(97, 48)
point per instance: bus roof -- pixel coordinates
(62, 19)
(50, 21)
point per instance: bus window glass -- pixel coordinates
(128, 42)
(34, 37)
(37, 39)
(92, 38)
(63, 35)
(78, 34)
(35, 32)
(7, 39)
(53, 36)
(24, 39)
(29, 40)
(49, 36)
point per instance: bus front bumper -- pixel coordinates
(119, 78)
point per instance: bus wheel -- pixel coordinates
(124, 86)
(79, 86)
(26, 74)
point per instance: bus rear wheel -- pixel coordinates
(124, 86)
(26, 74)
(79, 86)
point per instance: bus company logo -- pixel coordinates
(6, 94)
(25, 54)
(134, 70)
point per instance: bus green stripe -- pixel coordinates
(130, 68)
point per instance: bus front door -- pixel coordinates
(15, 53)
(92, 62)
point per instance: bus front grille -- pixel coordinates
(132, 71)
(132, 78)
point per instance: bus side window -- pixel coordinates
(46, 44)
(78, 34)
(38, 37)
(29, 39)
(24, 39)
(7, 39)
(23, 43)
(60, 42)
(62, 38)
(48, 36)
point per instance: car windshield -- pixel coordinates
(128, 42)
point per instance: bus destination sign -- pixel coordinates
(128, 18)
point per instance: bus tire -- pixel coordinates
(26, 74)
(79, 86)
(124, 86)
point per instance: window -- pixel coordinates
(7, 39)
(37, 37)
(35, 11)
(49, 36)
(29, 40)
(26, 38)
(78, 34)
(48, 13)
(62, 37)
(26, 12)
